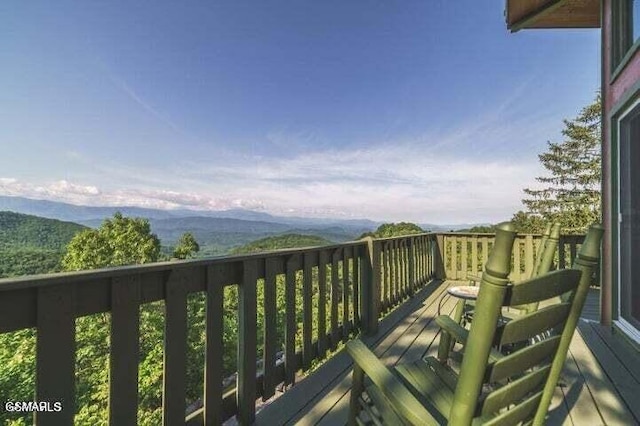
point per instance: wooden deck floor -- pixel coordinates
(588, 393)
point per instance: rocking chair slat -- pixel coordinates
(523, 359)
(542, 288)
(514, 391)
(528, 326)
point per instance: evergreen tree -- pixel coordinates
(572, 194)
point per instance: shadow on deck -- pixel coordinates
(599, 384)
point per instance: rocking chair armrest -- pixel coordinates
(458, 332)
(402, 400)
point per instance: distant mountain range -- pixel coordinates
(216, 231)
(76, 213)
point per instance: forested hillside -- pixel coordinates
(282, 242)
(32, 244)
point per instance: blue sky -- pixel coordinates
(427, 111)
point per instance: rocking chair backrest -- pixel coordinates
(523, 381)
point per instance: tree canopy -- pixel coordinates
(571, 190)
(281, 242)
(186, 247)
(118, 241)
(31, 244)
(387, 230)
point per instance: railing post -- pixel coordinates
(370, 287)
(439, 258)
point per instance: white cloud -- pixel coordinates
(404, 181)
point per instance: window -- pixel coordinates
(629, 220)
(625, 31)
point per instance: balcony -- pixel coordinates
(387, 290)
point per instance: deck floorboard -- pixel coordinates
(600, 378)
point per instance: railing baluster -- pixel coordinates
(474, 255)
(307, 311)
(400, 269)
(370, 295)
(405, 267)
(322, 304)
(334, 298)
(429, 246)
(419, 259)
(412, 265)
(428, 264)
(270, 333)
(125, 349)
(247, 343)
(397, 258)
(394, 273)
(376, 298)
(290, 321)
(386, 275)
(463, 260)
(346, 293)
(425, 259)
(572, 250)
(485, 251)
(213, 369)
(516, 259)
(454, 257)
(55, 353)
(528, 255)
(175, 348)
(386, 283)
(356, 286)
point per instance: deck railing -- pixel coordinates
(465, 254)
(344, 288)
(352, 285)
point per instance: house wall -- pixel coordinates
(617, 86)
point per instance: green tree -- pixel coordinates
(281, 242)
(528, 223)
(572, 192)
(119, 241)
(187, 246)
(387, 230)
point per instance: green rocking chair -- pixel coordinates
(543, 264)
(463, 313)
(490, 388)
